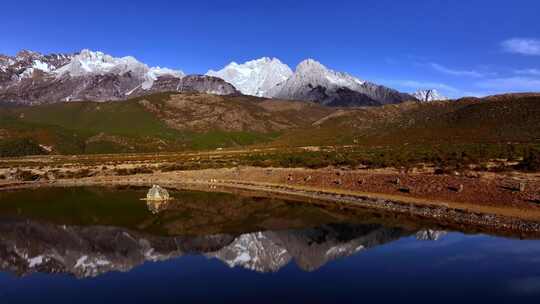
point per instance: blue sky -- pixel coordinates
(473, 47)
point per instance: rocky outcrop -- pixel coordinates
(156, 193)
(189, 84)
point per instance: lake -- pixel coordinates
(104, 245)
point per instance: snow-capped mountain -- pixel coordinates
(312, 81)
(33, 78)
(428, 95)
(97, 63)
(254, 77)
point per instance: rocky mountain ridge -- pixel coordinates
(311, 81)
(34, 78)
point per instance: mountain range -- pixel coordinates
(34, 78)
(311, 81)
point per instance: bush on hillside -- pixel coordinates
(19, 147)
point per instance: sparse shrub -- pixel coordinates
(72, 174)
(27, 176)
(172, 167)
(19, 147)
(133, 171)
(531, 160)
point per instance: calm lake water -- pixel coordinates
(97, 245)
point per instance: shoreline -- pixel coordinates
(441, 213)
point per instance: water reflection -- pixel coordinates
(30, 246)
(157, 206)
(87, 232)
(213, 247)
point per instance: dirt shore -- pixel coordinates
(492, 201)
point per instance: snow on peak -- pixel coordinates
(309, 65)
(428, 95)
(40, 65)
(89, 62)
(321, 75)
(254, 77)
(311, 73)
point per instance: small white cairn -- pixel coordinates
(156, 193)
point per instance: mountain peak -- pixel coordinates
(88, 62)
(309, 65)
(428, 95)
(313, 81)
(26, 53)
(254, 77)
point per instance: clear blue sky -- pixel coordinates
(460, 47)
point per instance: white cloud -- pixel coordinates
(511, 84)
(455, 72)
(531, 72)
(523, 46)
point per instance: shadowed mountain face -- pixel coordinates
(312, 81)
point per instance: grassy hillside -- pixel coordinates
(160, 122)
(177, 122)
(468, 121)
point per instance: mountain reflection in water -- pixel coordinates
(29, 246)
(262, 235)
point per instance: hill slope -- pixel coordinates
(175, 122)
(159, 122)
(496, 119)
